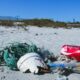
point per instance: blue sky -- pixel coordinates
(62, 10)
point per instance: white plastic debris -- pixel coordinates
(60, 77)
(31, 62)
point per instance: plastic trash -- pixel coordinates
(61, 77)
(12, 53)
(31, 62)
(10, 60)
(71, 51)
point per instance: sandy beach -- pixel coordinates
(51, 39)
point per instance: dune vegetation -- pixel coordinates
(39, 23)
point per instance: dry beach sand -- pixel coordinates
(48, 38)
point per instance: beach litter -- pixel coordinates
(11, 54)
(31, 62)
(28, 57)
(60, 77)
(71, 51)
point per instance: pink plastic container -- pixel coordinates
(71, 51)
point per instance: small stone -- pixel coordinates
(36, 34)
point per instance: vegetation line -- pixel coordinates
(40, 23)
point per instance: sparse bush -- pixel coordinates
(6, 23)
(60, 24)
(39, 22)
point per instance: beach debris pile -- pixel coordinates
(14, 53)
(11, 54)
(28, 57)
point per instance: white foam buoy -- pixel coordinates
(31, 62)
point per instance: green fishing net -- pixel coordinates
(11, 54)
